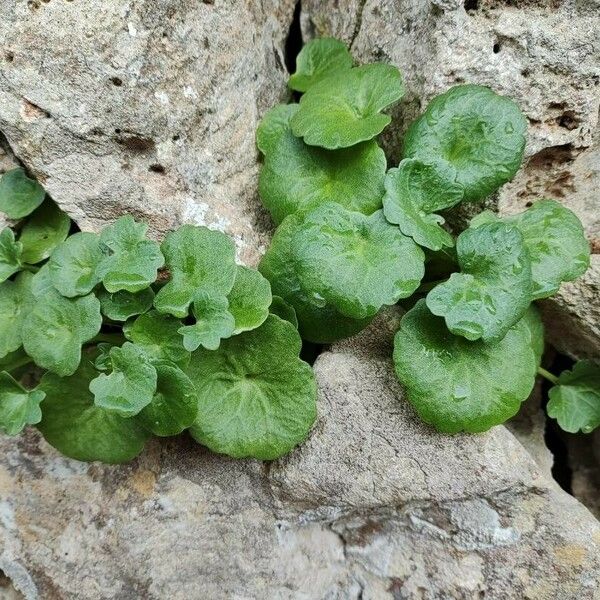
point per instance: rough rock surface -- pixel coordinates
(546, 55)
(374, 505)
(146, 107)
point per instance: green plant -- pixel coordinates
(141, 339)
(353, 238)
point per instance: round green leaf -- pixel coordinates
(79, 429)
(249, 299)
(318, 321)
(47, 227)
(73, 266)
(198, 259)
(414, 191)
(575, 401)
(131, 384)
(457, 385)
(493, 290)
(318, 59)
(19, 195)
(344, 108)
(158, 335)
(256, 398)
(556, 243)
(56, 328)
(273, 125)
(174, 406)
(10, 254)
(481, 135)
(18, 407)
(15, 303)
(131, 262)
(123, 305)
(283, 310)
(213, 322)
(355, 262)
(296, 176)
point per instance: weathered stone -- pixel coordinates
(145, 107)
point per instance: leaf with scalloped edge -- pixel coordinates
(480, 133)
(199, 259)
(122, 305)
(355, 262)
(57, 327)
(575, 400)
(458, 385)
(158, 335)
(132, 261)
(79, 429)
(73, 266)
(130, 385)
(414, 192)
(493, 289)
(19, 195)
(319, 58)
(10, 254)
(256, 397)
(295, 176)
(18, 407)
(344, 108)
(45, 229)
(249, 299)
(16, 301)
(174, 406)
(213, 322)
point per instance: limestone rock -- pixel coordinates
(146, 107)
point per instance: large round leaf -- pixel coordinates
(19, 195)
(481, 134)
(343, 109)
(79, 429)
(493, 289)
(457, 385)
(356, 263)
(256, 398)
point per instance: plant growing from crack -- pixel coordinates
(353, 237)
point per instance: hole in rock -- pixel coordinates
(156, 168)
(471, 4)
(496, 48)
(116, 81)
(293, 42)
(310, 351)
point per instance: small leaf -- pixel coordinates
(79, 429)
(274, 124)
(256, 398)
(15, 303)
(457, 385)
(414, 191)
(131, 262)
(356, 263)
(481, 135)
(56, 328)
(296, 176)
(575, 401)
(19, 195)
(318, 321)
(249, 299)
(131, 384)
(102, 362)
(18, 407)
(318, 59)
(47, 227)
(283, 310)
(174, 406)
(213, 322)
(493, 290)
(10, 254)
(73, 266)
(344, 108)
(556, 243)
(158, 336)
(123, 305)
(198, 259)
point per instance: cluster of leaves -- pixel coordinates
(131, 338)
(353, 237)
